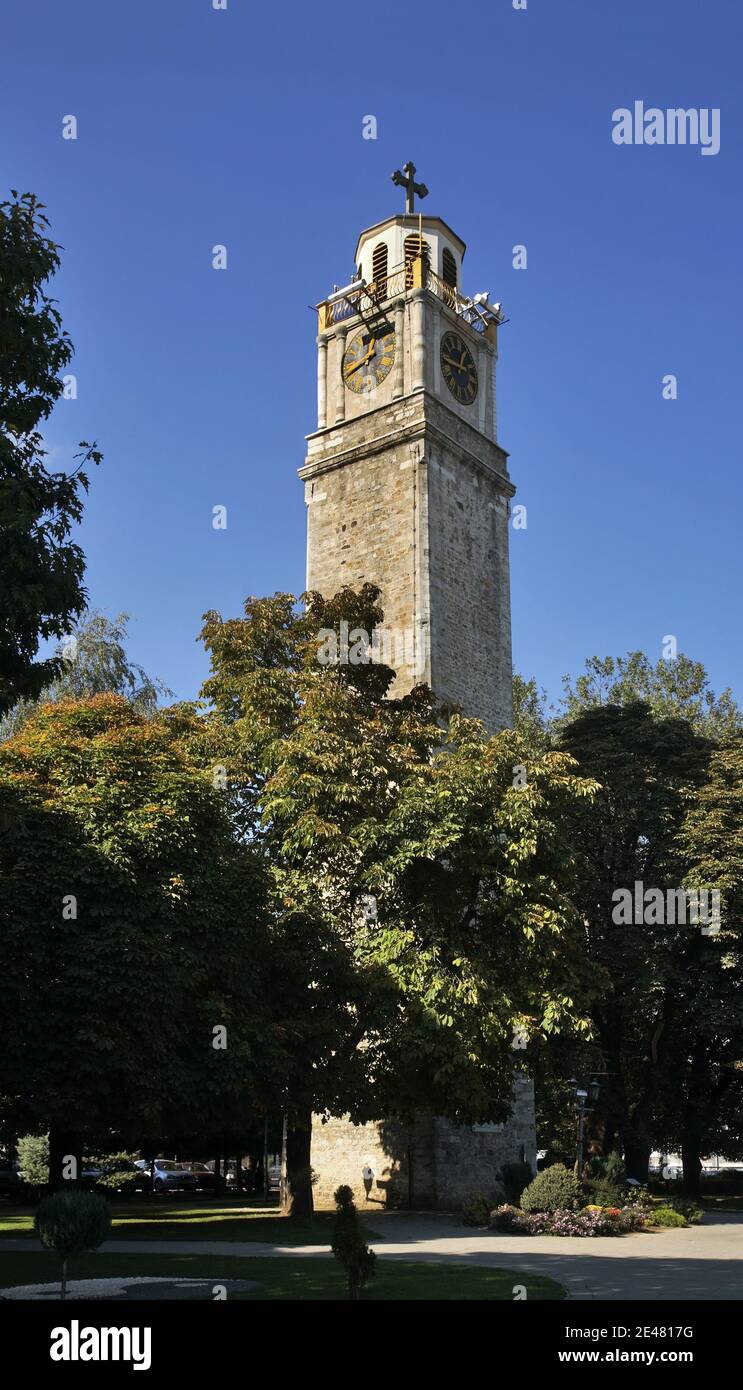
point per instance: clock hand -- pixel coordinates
(459, 366)
(363, 360)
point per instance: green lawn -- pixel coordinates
(171, 1219)
(291, 1278)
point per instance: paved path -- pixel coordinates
(701, 1262)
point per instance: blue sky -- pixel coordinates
(244, 127)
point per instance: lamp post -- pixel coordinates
(582, 1109)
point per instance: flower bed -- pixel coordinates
(591, 1221)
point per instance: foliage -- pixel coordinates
(72, 1222)
(582, 1223)
(33, 1158)
(604, 1193)
(690, 1210)
(132, 928)
(552, 1189)
(476, 1208)
(93, 662)
(423, 892)
(649, 769)
(673, 689)
(41, 569)
(349, 1245)
(510, 1220)
(515, 1177)
(609, 1168)
(666, 1216)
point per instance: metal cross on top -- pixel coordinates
(406, 180)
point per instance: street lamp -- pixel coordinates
(581, 1096)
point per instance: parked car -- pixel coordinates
(205, 1179)
(168, 1176)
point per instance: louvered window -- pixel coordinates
(448, 268)
(379, 269)
(412, 249)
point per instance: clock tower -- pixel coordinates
(407, 488)
(406, 484)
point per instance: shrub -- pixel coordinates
(510, 1220)
(552, 1190)
(515, 1177)
(476, 1209)
(71, 1222)
(610, 1169)
(686, 1207)
(33, 1158)
(630, 1219)
(349, 1246)
(666, 1216)
(605, 1193)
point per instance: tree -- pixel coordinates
(349, 1246)
(94, 661)
(705, 1083)
(419, 885)
(648, 768)
(70, 1223)
(675, 688)
(133, 942)
(41, 568)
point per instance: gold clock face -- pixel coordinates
(458, 368)
(368, 359)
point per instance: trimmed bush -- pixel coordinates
(666, 1216)
(515, 1177)
(72, 1222)
(554, 1189)
(349, 1246)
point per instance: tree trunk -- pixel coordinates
(691, 1157)
(63, 1145)
(637, 1150)
(298, 1197)
(64, 1278)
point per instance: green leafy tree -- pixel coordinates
(131, 993)
(420, 885)
(704, 1084)
(69, 1223)
(677, 688)
(33, 1158)
(41, 568)
(94, 661)
(648, 768)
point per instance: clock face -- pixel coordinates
(458, 367)
(368, 358)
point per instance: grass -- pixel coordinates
(170, 1219)
(285, 1277)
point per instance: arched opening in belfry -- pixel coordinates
(379, 268)
(412, 249)
(448, 268)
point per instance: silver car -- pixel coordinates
(168, 1176)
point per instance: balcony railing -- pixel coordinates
(368, 299)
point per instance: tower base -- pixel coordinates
(430, 1163)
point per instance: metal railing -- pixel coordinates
(365, 300)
